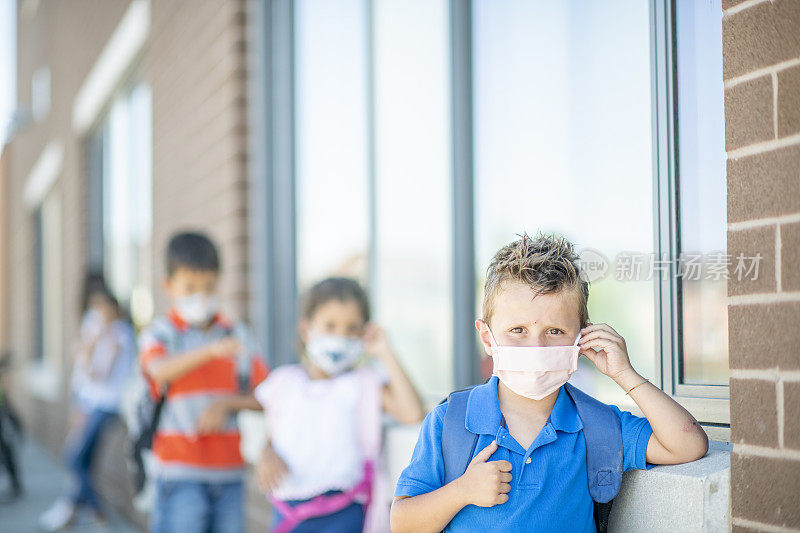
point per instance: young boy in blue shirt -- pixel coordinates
(528, 470)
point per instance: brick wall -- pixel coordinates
(194, 62)
(761, 65)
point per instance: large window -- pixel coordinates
(331, 139)
(120, 185)
(48, 279)
(412, 287)
(702, 195)
(562, 144)
(508, 116)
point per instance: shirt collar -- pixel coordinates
(564, 416)
(483, 409)
(484, 415)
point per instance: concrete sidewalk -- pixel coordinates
(44, 480)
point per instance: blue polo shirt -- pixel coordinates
(549, 490)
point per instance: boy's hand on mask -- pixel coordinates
(486, 483)
(270, 469)
(376, 342)
(213, 418)
(612, 359)
(225, 347)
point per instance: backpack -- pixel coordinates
(602, 431)
(142, 412)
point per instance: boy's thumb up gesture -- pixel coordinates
(486, 483)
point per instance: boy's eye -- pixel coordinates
(518, 329)
(554, 331)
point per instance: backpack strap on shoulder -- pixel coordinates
(458, 443)
(602, 431)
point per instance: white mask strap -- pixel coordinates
(492, 340)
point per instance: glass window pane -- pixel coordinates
(331, 139)
(563, 144)
(702, 186)
(127, 201)
(51, 278)
(412, 272)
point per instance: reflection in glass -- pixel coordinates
(331, 139)
(701, 175)
(128, 201)
(563, 144)
(412, 272)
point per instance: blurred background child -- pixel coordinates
(102, 365)
(324, 415)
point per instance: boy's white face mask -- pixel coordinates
(534, 371)
(197, 309)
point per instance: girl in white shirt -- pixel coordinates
(324, 414)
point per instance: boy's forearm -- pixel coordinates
(674, 427)
(168, 369)
(427, 512)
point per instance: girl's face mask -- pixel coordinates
(334, 354)
(534, 371)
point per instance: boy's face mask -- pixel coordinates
(534, 371)
(197, 309)
(334, 354)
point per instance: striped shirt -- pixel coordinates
(181, 453)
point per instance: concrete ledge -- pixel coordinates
(679, 498)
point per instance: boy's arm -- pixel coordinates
(165, 370)
(399, 397)
(677, 437)
(216, 414)
(485, 484)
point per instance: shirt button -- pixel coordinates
(528, 461)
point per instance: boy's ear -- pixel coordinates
(483, 333)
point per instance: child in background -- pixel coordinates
(324, 414)
(207, 368)
(525, 466)
(103, 361)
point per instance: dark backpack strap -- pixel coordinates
(601, 513)
(458, 443)
(602, 431)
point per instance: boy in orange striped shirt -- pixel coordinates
(207, 368)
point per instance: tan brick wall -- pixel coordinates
(61, 36)
(761, 64)
(194, 63)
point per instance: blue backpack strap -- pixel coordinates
(602, 430)
(458, 443)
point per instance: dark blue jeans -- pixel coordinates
(80, 454)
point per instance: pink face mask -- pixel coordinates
(534, 371)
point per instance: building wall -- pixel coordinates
(196, 67)
(194, 62)
(761, 57)
(61, 36)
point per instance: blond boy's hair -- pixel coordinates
(546, 263)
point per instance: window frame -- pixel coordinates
(274, 262)
(709, 403)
